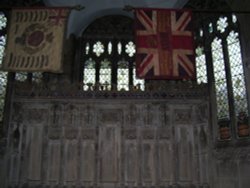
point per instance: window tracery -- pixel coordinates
(219, 36)
(111, 47)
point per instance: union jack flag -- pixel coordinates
(164, 43)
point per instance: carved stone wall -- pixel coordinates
(232, 167)
(108, 143)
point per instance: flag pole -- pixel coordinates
(131, 8)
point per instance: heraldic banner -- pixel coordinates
(35, 40)
(164, 44)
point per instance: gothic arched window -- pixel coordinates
(219, 62)
(108, 55)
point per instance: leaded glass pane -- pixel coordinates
(210, 28)
(119, 47)
(138, 82)
(238, 82)
(220, 79)
(201, 33)
(3, 21)
(234, 18)
(21, 76)
(37, 77)
(222, 24)
(98, 48)
(201, 71)
(3, 82)
(89, 74)
(3, 78)
(109, 48)
(2, 46)
(130, 49)
(105, 74)
(87, 47)
(123, 76)
(3, 75)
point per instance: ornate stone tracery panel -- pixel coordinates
(111, 144)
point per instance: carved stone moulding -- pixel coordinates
(232, 154)
(54, 133)
(182, 116)
(164, 133)
(148, 134)
(70, 133)
(130, 134)
(169, 91)
(88, 134)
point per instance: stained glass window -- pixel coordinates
(139, 83)
(123, 75)
(37, 77)
(222, 24)
(111, 47)
(3, 75)
(220, 79)
(201, 65)
(130, 49)
(226, 71)
(105, 74)
(98, 48)
(89, 74)
(238, 81)
(119, 47)
(87, 48)
(21, 76)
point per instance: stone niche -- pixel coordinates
(108, 143)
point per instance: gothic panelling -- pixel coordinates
(109, 143)
(165, 157)
(244, 167)
(232, 167)
(35, 140)
(15, 157)
(109, 154)
(54, 161)
(87, 160)
(131, 162)
(184, 153)
(148, 162)
(70, 161)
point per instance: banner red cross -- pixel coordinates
(164, 44)
(58, 17)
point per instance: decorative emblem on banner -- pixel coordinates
(164, 44)
(35, 40)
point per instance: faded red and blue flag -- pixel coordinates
(164, 44)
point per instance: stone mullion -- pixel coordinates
(92, 55)
(244, 36)
(229, 86)
(123, 53)
(105, 55)
(210, 80)
(131, 61)
(114, 58)
(125, 57)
